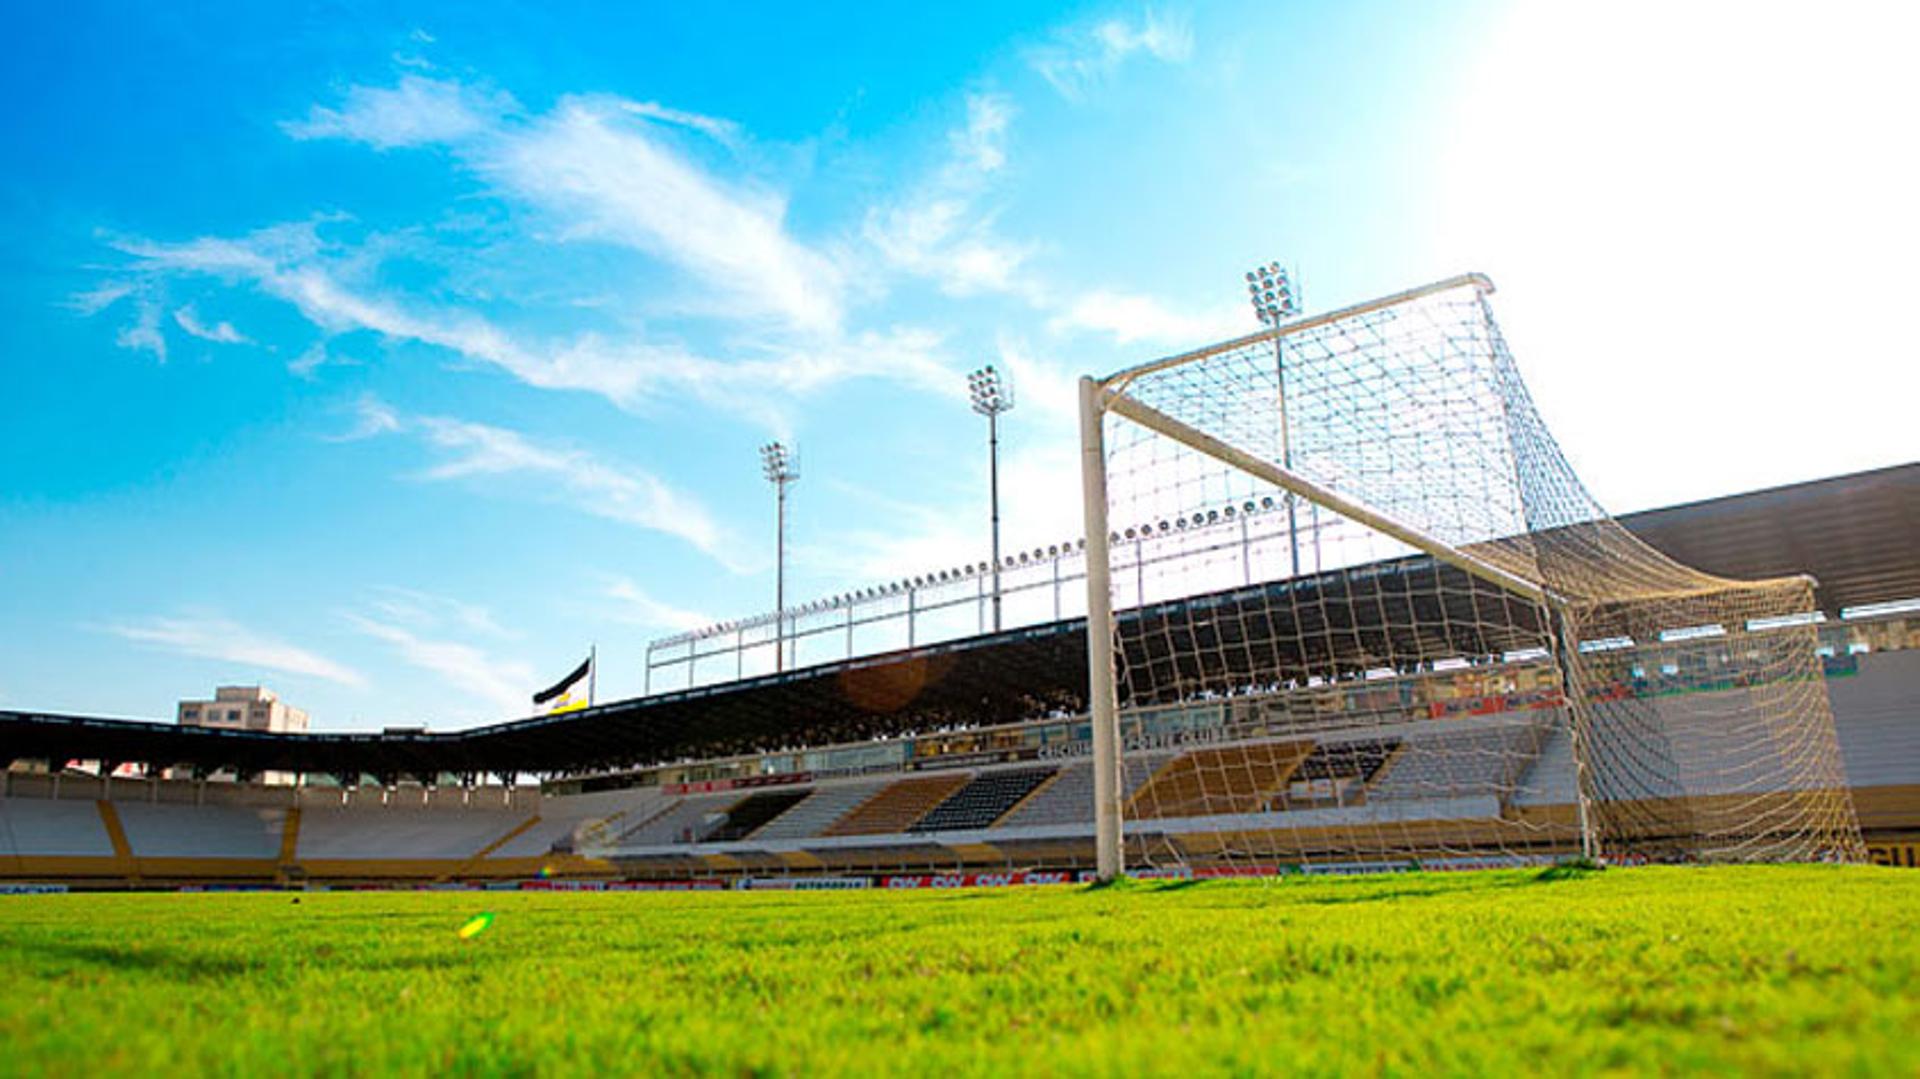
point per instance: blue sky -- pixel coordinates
(394, 358)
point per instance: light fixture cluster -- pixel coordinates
(991, 394)
(1271, 292)
(779, 463)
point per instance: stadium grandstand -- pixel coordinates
(971, 754)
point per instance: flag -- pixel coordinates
(570, 694)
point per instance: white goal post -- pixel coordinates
(1450, 545)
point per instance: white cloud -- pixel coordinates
(938, 239)
(372, 416)
(1084, 56)
(1128, 318)
(288, 262)
(939, 231)
(619, 183)
(506, 686)
(143, 334)
(414, 112)
(584, 482)
(304, 365)
(608, 179)
(426, 611)
(722, 131)
(643, 609)
(1041, 385)
(94, 301)
(222, 332)
(230, 642)
(981, 145)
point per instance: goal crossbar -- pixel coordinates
(1480, 282)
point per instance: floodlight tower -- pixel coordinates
(991, 396)
(1270, 289)
(782, 468)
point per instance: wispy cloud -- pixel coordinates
(641, 608)
(372, 416)
(722, 131)
(574, 477)
(605, 173)
(626, 495)
(216, 638)
(981, 146)
(291, 262)
(505, 686)
(143, 333)
(413, 112)
(222, 332)
(1082, 57)
(939, 230)
(426, 611)
(93, 301)
(1128, 318)
(614, 181)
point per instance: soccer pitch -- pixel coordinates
(1808, 969)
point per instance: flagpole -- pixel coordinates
(593, 671)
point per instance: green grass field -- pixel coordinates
(1808, 969)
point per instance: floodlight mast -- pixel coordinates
(1270, 289)
(781, 467)
(991, 395)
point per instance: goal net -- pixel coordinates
(1361, 612)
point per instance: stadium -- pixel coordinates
(1370, 713)
(1339, 666)
(1367, 647)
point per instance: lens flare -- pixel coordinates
(477, 925)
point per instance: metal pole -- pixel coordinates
(1102, 700)
(1561, 638)
(993, 484)
(593, 671)
(780, 577)
(1286, 448)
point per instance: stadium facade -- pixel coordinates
(972, 754)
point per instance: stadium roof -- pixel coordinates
(1858, 534)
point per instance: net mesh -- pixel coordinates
(1515, 674)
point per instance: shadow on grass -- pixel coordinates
(181, 965)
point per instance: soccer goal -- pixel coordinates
(1349, 606)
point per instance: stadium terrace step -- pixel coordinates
(898, 806)
(691, 820)
(818, 810)
(1069, 799)
(1227, 779)
(749, 816)
(1459, 764)
(982, 801)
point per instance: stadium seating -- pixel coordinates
(819, 810)
(1223, 779)
(393, 834)
(983, 800)
(1879, 725)
(1459, 764)
(1069, 799)
(565, 823)
(757, 810)
(897, 806)
(689, 820)
(206, 831)
(32, 827)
